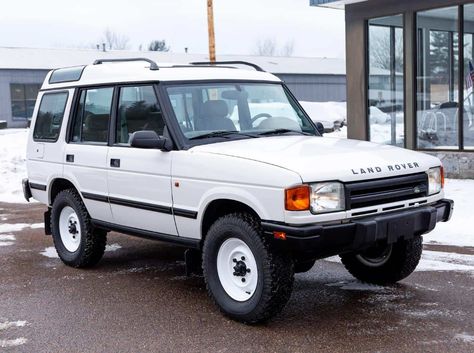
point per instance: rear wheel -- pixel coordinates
(77, 243)
(247, 277)
(383, 263)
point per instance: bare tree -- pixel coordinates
(269, 47)
(158, 45)
(266, 47)
(380, 50)
(114, 40)
(288, 48)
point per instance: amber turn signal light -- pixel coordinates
(297, 198)
(279, 235)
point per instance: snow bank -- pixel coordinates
(12, 164)
(459, 230)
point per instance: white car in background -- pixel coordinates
(331, 114)
(377, 116)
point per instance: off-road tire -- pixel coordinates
(92, 242)
(275, 270)
(401, 263)
(304, 266)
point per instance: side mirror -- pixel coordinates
(150, 139)
(320, 128)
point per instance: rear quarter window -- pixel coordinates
(50, 117)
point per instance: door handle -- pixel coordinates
(70, 158)
(115, 163)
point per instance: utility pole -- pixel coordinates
(210, 27)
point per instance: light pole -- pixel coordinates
(210, 27)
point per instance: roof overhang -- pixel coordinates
(334, 4)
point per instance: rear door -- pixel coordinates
(86, 152)
(139, 179)
(45, 147)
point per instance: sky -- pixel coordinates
(239, 24)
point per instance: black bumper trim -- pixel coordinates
(318, 241)
(38, 186)
(26, 189)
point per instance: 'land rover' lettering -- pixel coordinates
(390, 168)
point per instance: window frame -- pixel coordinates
(392, 32)
(62, 119)
(114, 119)
(75, 107)
(460, 118)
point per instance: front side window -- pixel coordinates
(247, 109)
(91, 121)
(386, 103)
(50, 117)
(138, 110)
(437, 79)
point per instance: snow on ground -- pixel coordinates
(434, 261)
(9, 239)
(52, 253)
(12, 164)
(459, 230)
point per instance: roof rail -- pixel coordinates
(212, 63)
(153, 65)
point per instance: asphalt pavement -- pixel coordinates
(138, 299)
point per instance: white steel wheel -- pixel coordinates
(237, 269)
(69, 229)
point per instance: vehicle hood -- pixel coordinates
(325, 158)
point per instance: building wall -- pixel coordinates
(15, 76)
(457, 164)
(316, 88)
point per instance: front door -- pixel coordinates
(139, 179)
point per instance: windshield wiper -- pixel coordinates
(282, 131)
(220, 133)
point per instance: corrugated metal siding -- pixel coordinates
(15, 76)
(316, 88)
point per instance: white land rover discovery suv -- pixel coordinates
(223, 161)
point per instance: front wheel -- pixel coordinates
(248, 278)
(383, 263)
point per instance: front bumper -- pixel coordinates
(319, 241)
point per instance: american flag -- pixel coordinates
(470, 76)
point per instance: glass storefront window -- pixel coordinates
(437, 79)
(385, 93)
(468, 112)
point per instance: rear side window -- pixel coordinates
(50, 117)
(92, 118)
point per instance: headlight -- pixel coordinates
(435, 180)
(327, 197)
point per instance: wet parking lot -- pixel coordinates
(139, 300)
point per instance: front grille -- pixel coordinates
(380, 191)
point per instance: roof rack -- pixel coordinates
(213, 63)
(153, 65)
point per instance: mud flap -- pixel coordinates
(47, 222)
(193, 261)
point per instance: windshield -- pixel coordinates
(236, 110)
